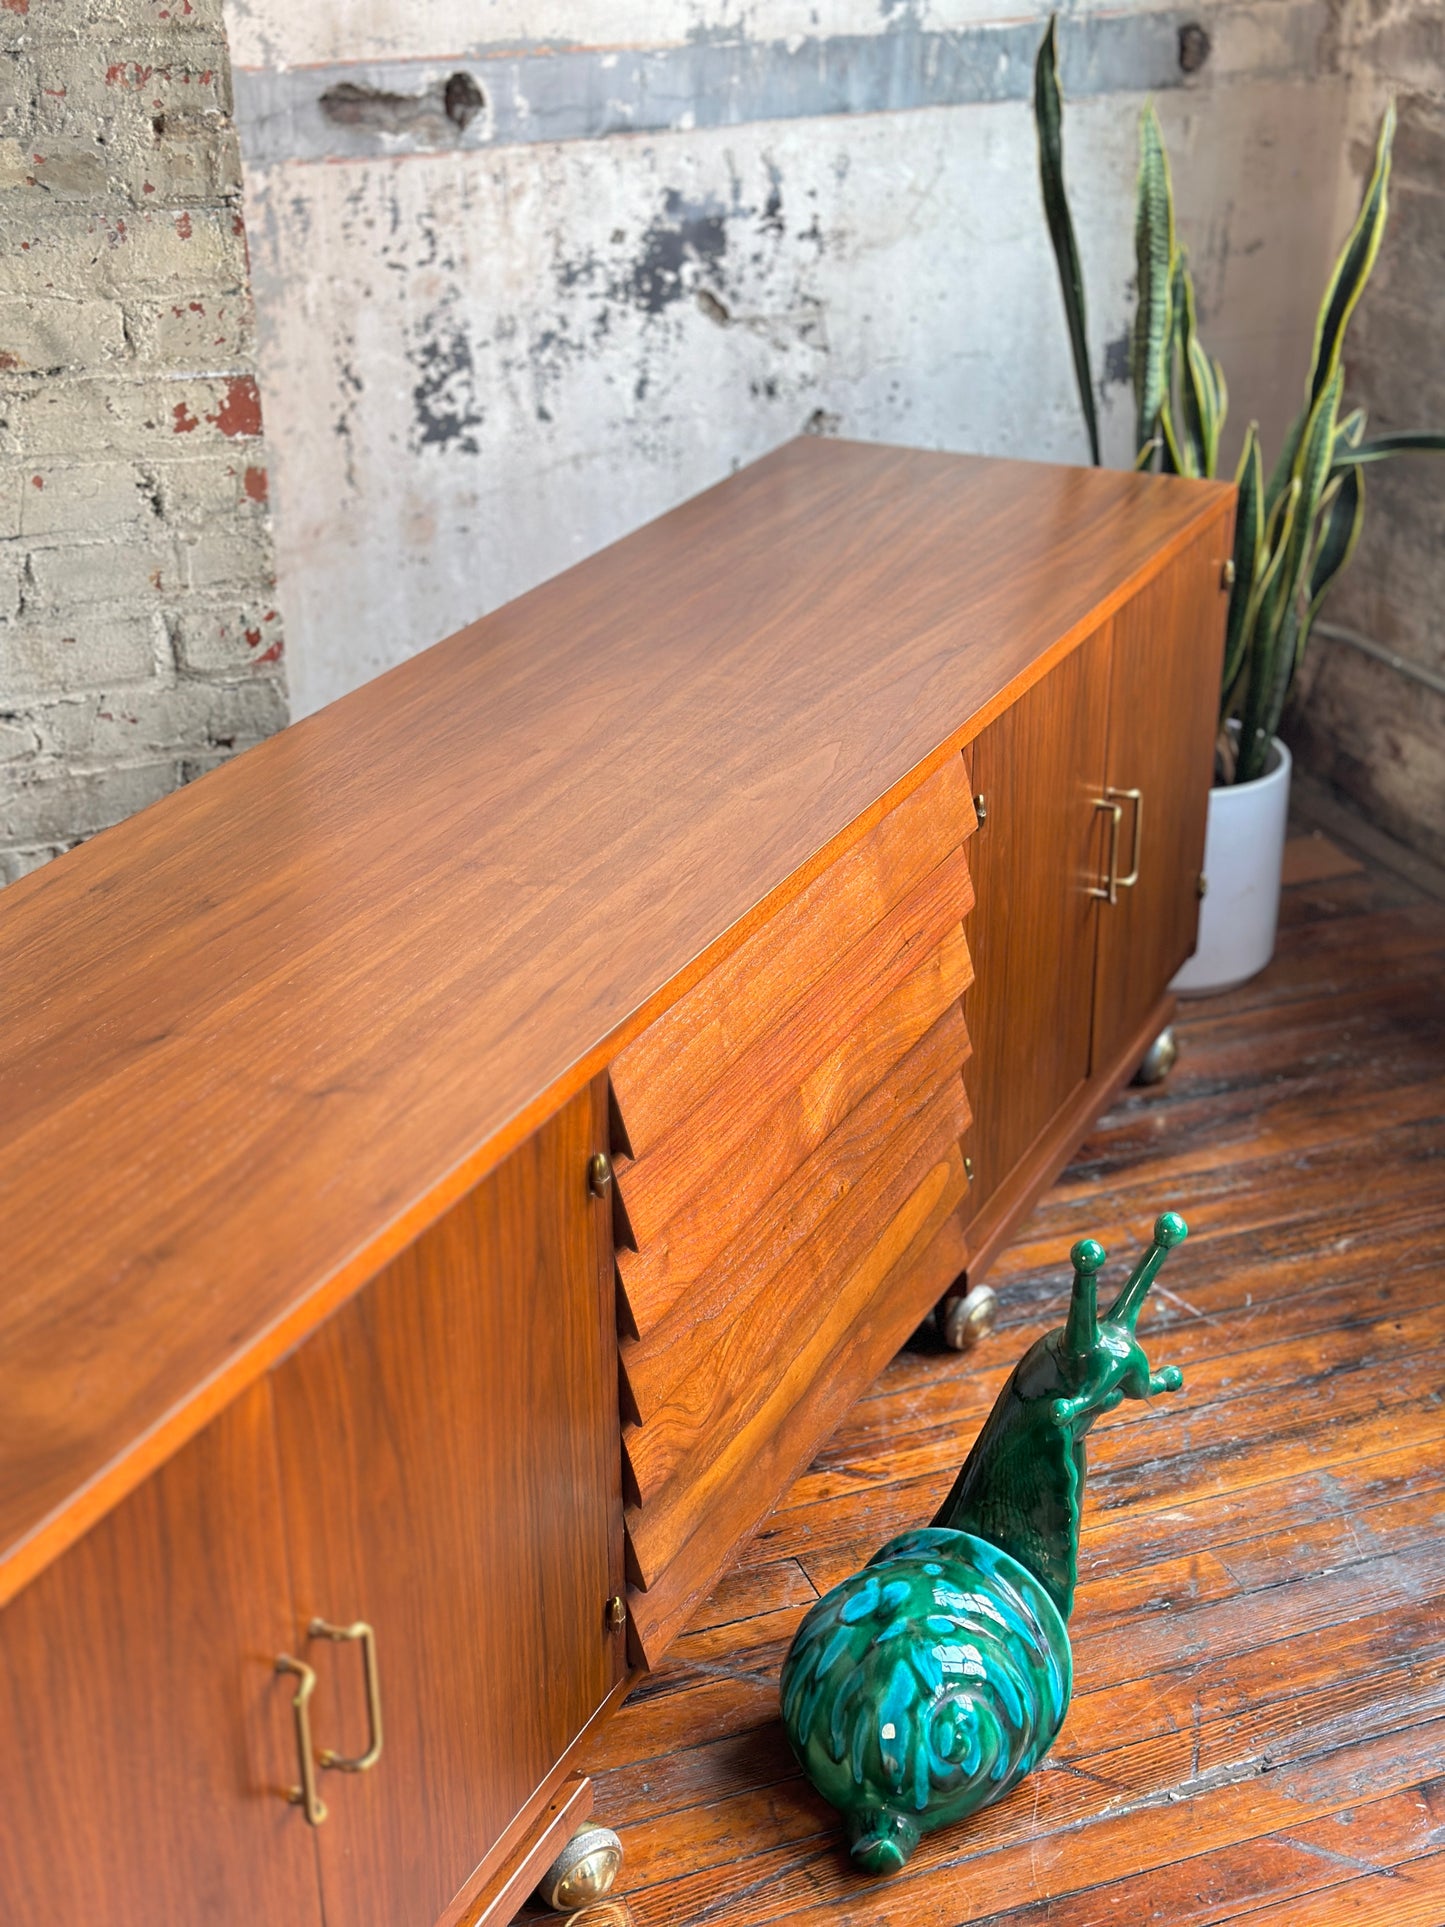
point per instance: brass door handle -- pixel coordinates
(358, 1630)
(1109, 890)
(304, 1796)
(1136, 797)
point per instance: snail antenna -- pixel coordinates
(1082, 1330)
(1169, 1230)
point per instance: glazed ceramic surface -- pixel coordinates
(925, 1686)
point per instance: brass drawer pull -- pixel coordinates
(1109, 890)
(358, 1630)
(304, 1796)
(1136, 797)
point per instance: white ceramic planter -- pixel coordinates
(1243, 858)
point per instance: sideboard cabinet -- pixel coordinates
(461, 1158)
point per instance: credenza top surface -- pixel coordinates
(257, 1036)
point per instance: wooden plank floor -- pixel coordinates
(1259, 1726)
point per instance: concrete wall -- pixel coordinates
(1379, 735)
(139, 636)
(493, 340)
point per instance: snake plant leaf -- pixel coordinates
(1336, 544)
(1409, 442)
(1049, 125)
(1277, 641)
(1347, 283)
(1357, 260)
(1248, 557)
(1154, 258)
(1263, 624)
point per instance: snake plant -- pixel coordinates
(1294, 532)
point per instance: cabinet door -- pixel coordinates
(1039, 769)
(1165, 651)
(452, 1477)
(146, 1740)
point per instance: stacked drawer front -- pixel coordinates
(789, 1174)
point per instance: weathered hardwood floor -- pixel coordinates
(1259, 1726)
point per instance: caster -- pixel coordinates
(583, 1871)
(1159, 1059)
(963, 1321)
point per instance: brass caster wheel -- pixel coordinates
(1159, 1059)
(964, 1321)
(584, 1870)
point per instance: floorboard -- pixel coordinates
(1258, 1729)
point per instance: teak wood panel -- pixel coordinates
(449, 1445)
(658, 1077)
(802, 1035)
(146, 1739)
(263, 1033)
(794, 1214)
(719, 1372)
(1038, 851)
(660, 1278)
(844, 1355)
(1165, 647)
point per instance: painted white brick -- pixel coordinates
(93, 648)
(229, 639)
(48, 803)
(40, 332)
(107, 416)
(89, 500)
(139, 572)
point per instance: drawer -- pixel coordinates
(658, 1079)
(844, 1357)
(789, 1175)
(766, 1171)
(754, 1349)
(843, 1183)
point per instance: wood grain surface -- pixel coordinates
(262, 1034)
(449, 1454)
(1146, 934)
(1034, 926)
(146, 1738)
(1259, 1637)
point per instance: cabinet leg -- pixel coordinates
(1159, 1059)
(966, 1317)
(584, 1870)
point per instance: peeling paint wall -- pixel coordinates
(494, 340)
(139, 638)
(1376, 734)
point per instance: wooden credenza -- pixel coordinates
(767, 853)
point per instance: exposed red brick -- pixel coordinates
(185, 420)
(254, 481)
(240, 412)
(273, 654)
(183, 225)
(37, 481)
(15, 6)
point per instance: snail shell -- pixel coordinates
(923, 1687)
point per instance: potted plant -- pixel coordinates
(1294, 532)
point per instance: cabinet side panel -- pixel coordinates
(146, 1742)
(1038, 849)
(450, 1463)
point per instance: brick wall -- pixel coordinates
(139, 638)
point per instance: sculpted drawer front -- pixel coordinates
(790, 1153)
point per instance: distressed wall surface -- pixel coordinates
(519, 291)
(1377, 734)
(139, 636)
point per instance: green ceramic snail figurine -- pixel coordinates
(927, 1685)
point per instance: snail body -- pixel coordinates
(925, 1686)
